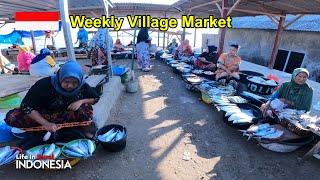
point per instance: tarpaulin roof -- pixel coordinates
(15, 37)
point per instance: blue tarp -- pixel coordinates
(15, 37)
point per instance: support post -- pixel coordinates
(277, 42)
(194, 38)
(33, 43)
(158, 38)
(223, 30)
(64, 15)
(106, 10)
(183, 37)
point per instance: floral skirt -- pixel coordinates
(16, 118)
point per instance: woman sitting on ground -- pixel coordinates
(118, 47)
(228, 67)
(5, 65)
(296, 94)
(208, 60)
(61, 98)
(172, 46)
(43, 64)
(24, 58)
(183, 50)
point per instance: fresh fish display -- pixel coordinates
(7, 155)
(209, 73)
(230, 109)
(197, 71)
(45, 150)
(254, 96)
(260, 80)
(82, 148)
(277, 105)
(236, 116)
(112, 136)
(194, 79)
(219, 91)
(237, 99)
(262, 131)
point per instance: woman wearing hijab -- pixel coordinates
(208, 60)
(172, 46)
(183, 50)
(24, 58)
(98, 45)
(229, 67)
(118, 47)
(296, 94)
(61, 98)
(43, 64)
(143, 52)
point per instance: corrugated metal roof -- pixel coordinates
(305, 23)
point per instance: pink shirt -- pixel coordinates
(24, 60)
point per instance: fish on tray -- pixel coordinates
(44, 150)
(7, 155)
(82, 148)
(262, 131)
(237, 99)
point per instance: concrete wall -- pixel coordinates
(256, 45)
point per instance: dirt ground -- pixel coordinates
(173, 135)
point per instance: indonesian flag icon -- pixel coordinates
(37, 21)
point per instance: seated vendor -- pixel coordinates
(5, 65)
(228, 67)
(43, 64)
(61, 98)
(208, 60)
(296, 94)
(172, 46)
(183, 50)
(118, 47)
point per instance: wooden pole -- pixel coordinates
(33, 43)
(195, 36)
(183, 37)
(277, 42)
(233, 7)
(64, 15)
(158, 38)
(223, 30)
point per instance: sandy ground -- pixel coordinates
(167, 124)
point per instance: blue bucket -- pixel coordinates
(119, 70)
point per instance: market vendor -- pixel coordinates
(98, 47)
(172, 46)
(24, 58)
(118, 47)
(183, 50)
(61, 98)
(43, 64)
(143, 50)
(228, 67)
(296, 94)
(208, 60)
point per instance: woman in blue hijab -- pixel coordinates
(61, 98)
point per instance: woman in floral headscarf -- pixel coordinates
(98, 45)
(183, 50)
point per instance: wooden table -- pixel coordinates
(12, 84)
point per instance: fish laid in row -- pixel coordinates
(8, 155)
(262, 131)
(44, 150)
(82, 148)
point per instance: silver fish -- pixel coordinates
(274, 135)
(90, 145)
(56, 152)
(237, 116)
(232, 111)
(71, 153)
(49, 150)
(264, 132)
(239, 121)
(104, 136)
(4, 152)
(259, 127)
(76, 149)
(11, 157)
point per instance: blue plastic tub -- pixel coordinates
(119, 70)
(5, 130)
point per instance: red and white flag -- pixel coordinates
(37, 21)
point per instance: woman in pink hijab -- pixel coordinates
(24, 58)
(184, 49)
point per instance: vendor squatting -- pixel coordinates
(146, 21)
